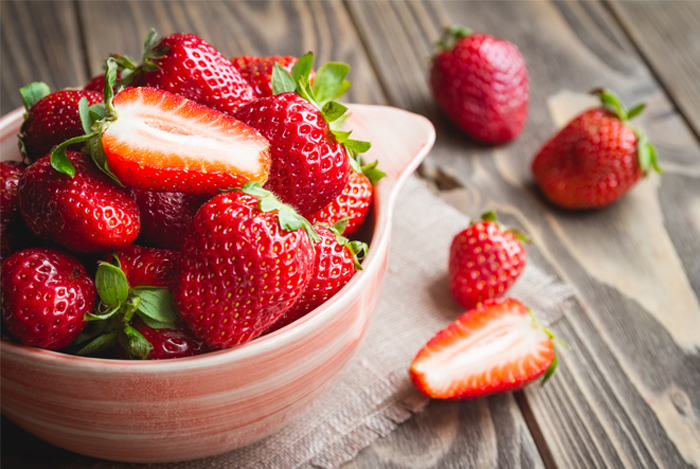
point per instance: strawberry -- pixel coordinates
(353, 202)
(310, 164)
(335, 264)
(481, 83)
(86, 213)
(257, 71)
(244, 263)
(147, 267)
(170, 343)
(51, 119)
(187, 65)
(155, 140)
(485, 260)
(11, 223)
(166, 217)
(45, 297)
(494, 348)
(596, 159)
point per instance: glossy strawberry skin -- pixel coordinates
(475, 335)
(353, 202)
(170, 343)
(484, 262)
(239, 270)
(45, 296)
(257, 71)
(53, 120)
(482, 84)
(309, 167)
(192, 68)
(334, 266)
(147, 267)
(11, 223)
(166, 153)
(85, 214)
(166, 217)
(590, 163)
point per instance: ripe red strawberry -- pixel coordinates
(485, 260)
(494, 348)
(166, 217)
(244, 263)
(335, 264)
(353, 202)
(482, 84)
(11, 223)
(52, 118)
(45, 296)
(147, 267)
(86, 213)
(170, 343)
(189, 66)
(596, 159)
(257, 71)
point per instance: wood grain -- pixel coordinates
(627, 392)
(669, 39)
(39, 41)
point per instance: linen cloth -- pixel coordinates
(375, 394)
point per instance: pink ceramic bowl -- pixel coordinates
(163, 411)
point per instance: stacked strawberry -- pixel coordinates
(159, 159)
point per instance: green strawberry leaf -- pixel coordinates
(489, 215)
(330, 83)
(654, 159)
(288, 219)
(355, 163)
(110, 80)
(305, 91)
(340, 135)
(100, 344)
(550, 371)
(333, 110)
(643, 152)
(151, 41)
(451, 35)
(153, 324)
(372, 173)
(635, 111)
(303, 67)
(612, 102)
(100, 158)
(111, 284)
(97, 111)
(85, 119)
(157, 304)
(282, 81)
(338, 228)
(33, 92)
(91, 330)
(135, 343)
(358, 249)
(59, 159)
(357, 146)
(103, 312)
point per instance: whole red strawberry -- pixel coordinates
(85, 213)
(147, 267)
(496, 347)
(189, 66)
(170, 343)
(52, 118)
(485, 260)
(596, 159)
(354, 201)
(257, 71)
(482, 84)
(244, 263)
(45, 296)
(166, 217)
(335, 264)
(11, 223)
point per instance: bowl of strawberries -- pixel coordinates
(192, 247)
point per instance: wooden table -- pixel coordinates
(628, 390)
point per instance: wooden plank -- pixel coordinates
(39, 41)
(628, 391)
(668, 37)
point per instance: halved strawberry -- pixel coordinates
(156, 140)
(497, 347)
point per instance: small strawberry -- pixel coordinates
(170, 343)
(155, 140)
(187, 65)
(166, 217)
(497, 347)
(353, 202)
(596, 159)
(244, 263)
(258, 71)
(147, 267)
(335, 264)
(45, 296)
(51, 118)
(485, 260)
(85, 213)
(310, 163)
(481, 83)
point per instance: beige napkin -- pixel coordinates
(375, 393)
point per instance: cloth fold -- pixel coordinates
(375, 394)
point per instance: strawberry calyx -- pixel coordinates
(370, 170)
(130, 70)
(287, 217)
(33, 92)
(358, 249)
(451, 35)
(646, 153)
(552, 368)
(492, 216)
(110, 322)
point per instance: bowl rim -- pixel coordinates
(261, 345)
